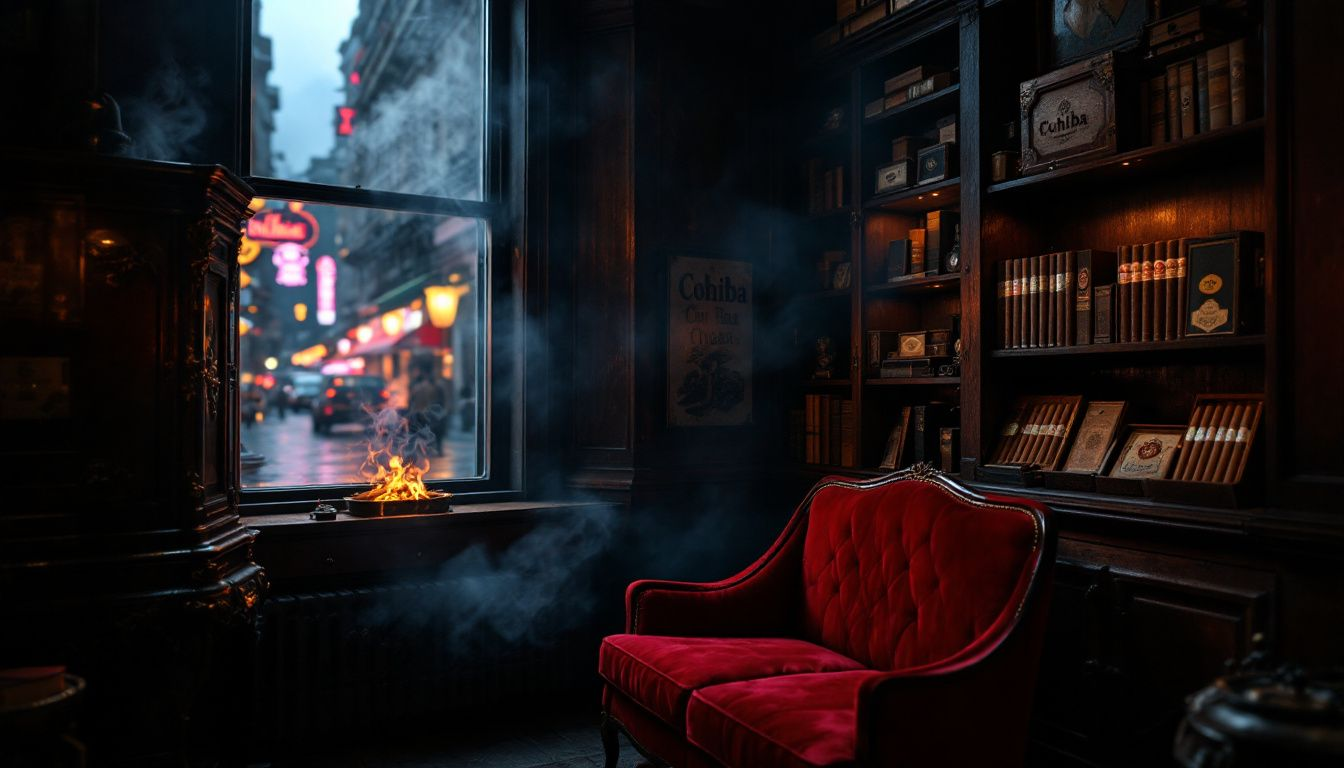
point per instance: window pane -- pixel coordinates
(380, 94)
(360, 329)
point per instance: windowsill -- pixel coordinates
(461, 514)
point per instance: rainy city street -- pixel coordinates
(295, 455)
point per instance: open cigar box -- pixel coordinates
(1218, 455)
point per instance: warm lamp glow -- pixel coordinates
(343, 346)
(392, 323)
(300, 311)
(244, 325)
(244, 279)
(271, 363)
(442, 301)
(248, 250)
(364, 334)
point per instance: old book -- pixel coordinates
(898, 259)
(923, 433)
(917, 251)
(1220, 89)
(1189, 116)
(1173, 316)
(939, 233)
(1122, 294)
(1096, 433)
(1237, 91)
(949, 449)
(1033, 293)
(1146, 293)
(1202, 90)
(908, 78)
(1065, 302)
(1159, 281)
(1157, 109)
(1103, 313)
(894, 452)
(1173, 102)
(928, 85)
(1135, 291)
(1182, 303)
(1015, 301)
(848, 435)
(1090, 267)
(1048, 294)
(1002, 306)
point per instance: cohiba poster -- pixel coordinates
(709, 342)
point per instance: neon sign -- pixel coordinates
(291, 265)
(325, 268)
(347, 125)
(287, 225)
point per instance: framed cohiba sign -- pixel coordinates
(1069, 114)
(709, 342)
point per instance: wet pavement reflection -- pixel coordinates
(295, 455)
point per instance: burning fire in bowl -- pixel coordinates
(397, 477)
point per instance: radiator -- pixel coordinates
(350, 662)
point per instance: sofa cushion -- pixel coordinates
(661, 672)
(907, 574)
(798, 720)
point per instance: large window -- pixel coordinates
(366, 287)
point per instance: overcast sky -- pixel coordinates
(305, 37)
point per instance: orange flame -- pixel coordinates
(399, 481)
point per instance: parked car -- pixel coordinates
(343, 399)
(306, 386)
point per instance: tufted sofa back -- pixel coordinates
(906, 573)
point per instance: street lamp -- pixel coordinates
(442, 301)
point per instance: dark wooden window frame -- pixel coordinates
(501, 419)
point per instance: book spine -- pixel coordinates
(1033, 292)
(1135, 290)
(1122, 293)
(1082, 309)
(1146, 294)
(1219, 89)
(1202, 90)
(1172, 315)
(1066, 302)
(1236, 67)
(1173, 102)
(1001, 284)
(920, 432)
(1048, 295)
(1157, 109)
(1189, 116)
(1159, 290)
(1182, 284)
(1020, 303)
(848, 429)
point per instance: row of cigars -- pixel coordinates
(1044, 441)
(1165, 290)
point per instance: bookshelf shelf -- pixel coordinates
(1155, 162)
(915, 285)
(826, 383)
(919, 199)
(1139, 347)
(946, 98)
(921, 381)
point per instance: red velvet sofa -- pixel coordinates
(895, 622)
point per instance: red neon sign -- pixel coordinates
(347, 125)
(273, 227)
(354, 78)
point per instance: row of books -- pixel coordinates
(1198, 95)
(825, 187)
(923, 433)
(825, 431)
(1037, 306)
(1150, 301)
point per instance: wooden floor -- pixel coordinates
(552, 743)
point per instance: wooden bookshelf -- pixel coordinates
(919, 284)
(1253, 342)
(920, 198)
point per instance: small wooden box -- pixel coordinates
(894, 177)
(1004, 165)
(947, 129)
(912, 344)
(873, 108)
(1069, 114)
(1222, 443)
(937, 163)
(907, 147)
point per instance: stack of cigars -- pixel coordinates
(1038, 431)
(1218, 439)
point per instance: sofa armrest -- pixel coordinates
(763, 600)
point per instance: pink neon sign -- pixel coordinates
(291, 265)
(326, 290)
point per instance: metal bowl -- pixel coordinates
(360, 505)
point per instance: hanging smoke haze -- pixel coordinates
(167, 117)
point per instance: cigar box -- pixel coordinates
(1003, 165)
(904, 80)
(1220, 470)
(1225, 293)
(929, 85)
(1143, 450)
(947, 129)
(908, 368)
(873, 108)
(894, 100)
(881, 346)
(907, 147)
(865, 18)
(894, 177)
(1069, 114)
(1093, 267)
(898, 259)
(937, 163)
(912, 343)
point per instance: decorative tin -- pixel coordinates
(937, 163)
(1069, 114)
(893, 177)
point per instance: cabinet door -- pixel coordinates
(1131, 635)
